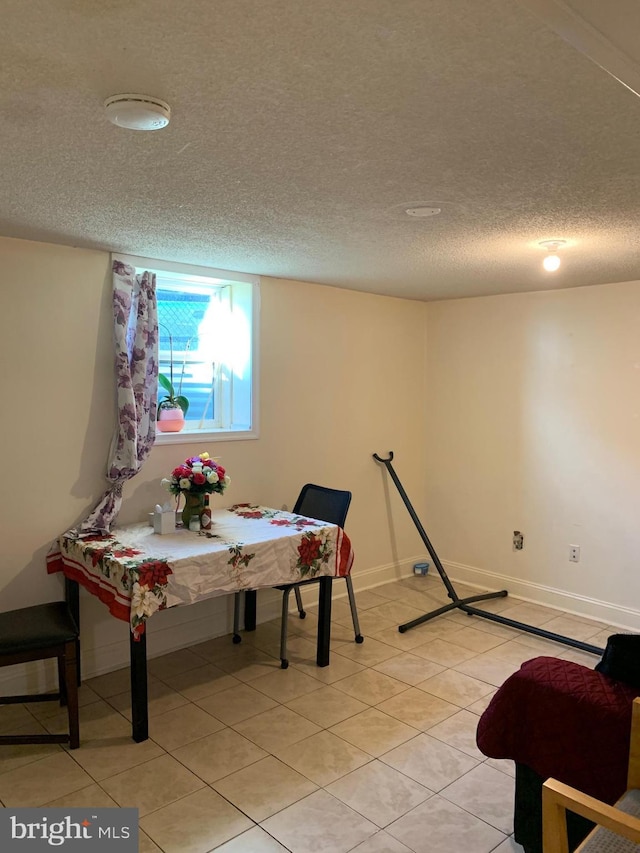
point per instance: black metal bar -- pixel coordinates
(423, 533)
(250, 610)
(531, 629)
(324, 621)
(454, 606)
(139, 708)
(463, 603)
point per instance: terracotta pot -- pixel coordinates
(170, 420)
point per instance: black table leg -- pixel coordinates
(139, 709)
(72, 596)
(250, 610)
(324, 621)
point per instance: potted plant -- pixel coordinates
(173, 407)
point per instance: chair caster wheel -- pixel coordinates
(359, 638)
(302, 614)
(237, 639)
(284, 664)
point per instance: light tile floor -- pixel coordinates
(375, 753)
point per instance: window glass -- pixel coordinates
(207, 324)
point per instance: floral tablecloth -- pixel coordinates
(136, 572)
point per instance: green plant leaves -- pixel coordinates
(166, 384)
(172, 400)
(182, 401)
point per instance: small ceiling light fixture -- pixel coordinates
(137, 112)
(422, 212)
(552, 262)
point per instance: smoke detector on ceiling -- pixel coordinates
(423, 212)
(137, 112)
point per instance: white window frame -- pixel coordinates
(217, 277)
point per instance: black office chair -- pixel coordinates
(330, 505)
(36, 633)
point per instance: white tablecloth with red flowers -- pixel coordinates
(136, 572)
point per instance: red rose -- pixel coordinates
(177, 472)
(199, 478)
(221, 471)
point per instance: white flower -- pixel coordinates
(212, 477)
(185, 483)
(227, 480)
(143, 601)
(165, 483)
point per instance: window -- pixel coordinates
(207, 322)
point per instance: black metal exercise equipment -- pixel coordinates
(458, 603)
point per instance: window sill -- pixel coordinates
(187, 436)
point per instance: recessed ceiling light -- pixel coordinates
(137, 112)
(422, 212)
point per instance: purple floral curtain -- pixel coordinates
(135, 315)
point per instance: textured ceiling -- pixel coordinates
(302, 129)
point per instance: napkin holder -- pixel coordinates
(164, 520)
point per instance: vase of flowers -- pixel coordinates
(195, 478)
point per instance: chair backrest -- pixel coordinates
(330, 505)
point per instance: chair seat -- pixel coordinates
(36, 627)
(602, 840)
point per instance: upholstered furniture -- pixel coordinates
(559, 719)
(617, 828)
(37, 633)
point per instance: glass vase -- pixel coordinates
(193, 506)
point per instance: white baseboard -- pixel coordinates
(182, 627)
(569, 602)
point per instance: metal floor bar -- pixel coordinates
(463, 604)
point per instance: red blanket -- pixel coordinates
(564, 720)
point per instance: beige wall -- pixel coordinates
(534, 425)
(509, 412)
(341, 376)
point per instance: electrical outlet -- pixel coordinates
(518, 540)
(574, 553)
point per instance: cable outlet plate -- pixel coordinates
(574, 553)
(518, 540)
